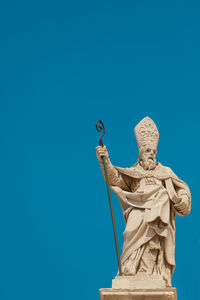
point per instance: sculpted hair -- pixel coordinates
(140, 154)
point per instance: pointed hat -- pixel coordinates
(146, 133)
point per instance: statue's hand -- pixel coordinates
(101, 151)
(182, 206)
(175, 198)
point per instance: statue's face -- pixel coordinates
(149, 153)
(147, 157)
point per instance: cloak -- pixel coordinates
(150, 212)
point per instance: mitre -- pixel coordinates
(146, 133)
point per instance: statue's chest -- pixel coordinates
(149, 181)
(147, 184)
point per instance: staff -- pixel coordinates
(100, 128)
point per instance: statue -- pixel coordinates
(151, 196)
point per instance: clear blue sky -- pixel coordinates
(63, 66)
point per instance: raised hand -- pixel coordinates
(102, 151)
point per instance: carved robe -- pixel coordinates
(149, 213)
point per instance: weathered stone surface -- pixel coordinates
(139, 294)
(139, 281)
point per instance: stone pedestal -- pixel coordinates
(139, 281)
(138, 294)
(139, 287)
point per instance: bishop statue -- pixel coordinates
(151, 196)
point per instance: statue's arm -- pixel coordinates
(179, 193)
(114, 176)
(184, 205)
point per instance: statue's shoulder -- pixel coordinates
(165, 172)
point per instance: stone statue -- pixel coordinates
(150, 195)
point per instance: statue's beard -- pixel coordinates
(148, 164)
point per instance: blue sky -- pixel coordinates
(63, 66)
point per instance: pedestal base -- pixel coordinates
(138, 294)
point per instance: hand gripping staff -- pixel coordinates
(100, 128)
